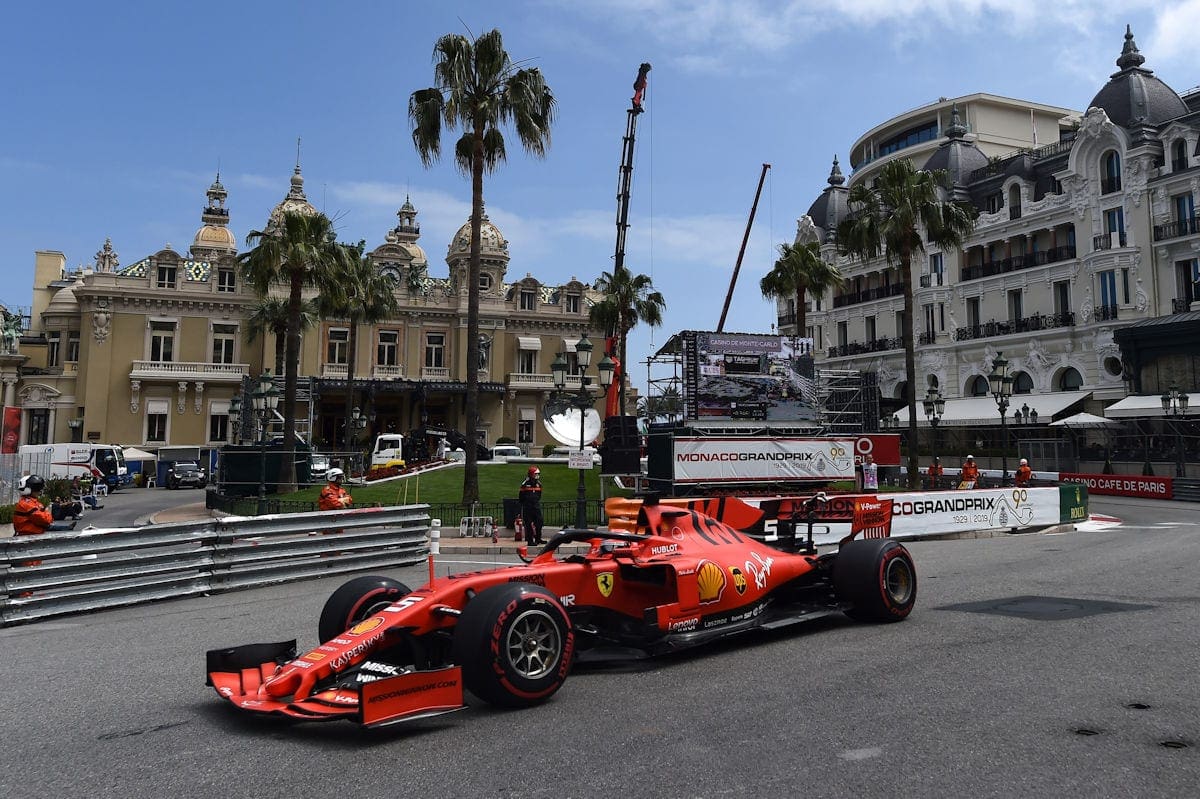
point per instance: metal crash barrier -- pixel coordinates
(61, 573)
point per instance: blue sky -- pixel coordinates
(118, 114)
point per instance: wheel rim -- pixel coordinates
(898, 581)
(533, 644)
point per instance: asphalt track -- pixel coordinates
(989, 689)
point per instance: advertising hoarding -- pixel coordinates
(750, 377)
(1122, 485)
(740, 459)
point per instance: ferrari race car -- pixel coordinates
(660, 578)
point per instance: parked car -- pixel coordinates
(502, 452)
(318, 465)
(186, 473)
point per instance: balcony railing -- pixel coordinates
(1106, 313)
(435, 373)
(926, 338)
(381, 372)
(1181, 304)
(1026, 325)
(335, 370)
(1014, 212)
(787, 319)
(867, 295)
(932, 279)
(1109, 185)
(188, 370)
(1181, 227)
(1017, 262)
(859, 348)
(1179, 164)
(1106, 241)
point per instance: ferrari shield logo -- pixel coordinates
(605, 583)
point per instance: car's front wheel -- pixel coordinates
(515, 645)
(355, 601)
(877, 580)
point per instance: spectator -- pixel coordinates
(531, 506)
(935, 473)
(870, 474)
(1024, 474)
(82, 492)
(969, 475)
(333, 496)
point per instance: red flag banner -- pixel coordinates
(872, 518)
(11, 437)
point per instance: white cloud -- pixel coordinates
(1174, 35)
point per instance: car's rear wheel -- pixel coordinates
(877, 579)
(515, 645)
(356, 600)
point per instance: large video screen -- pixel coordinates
(748, 377)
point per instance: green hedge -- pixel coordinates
(6, 513)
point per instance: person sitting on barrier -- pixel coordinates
(935, 473)
(969, 475)
(1024, 474)
(531, 506)
(30, 516)
(81, 492)
(333, 496)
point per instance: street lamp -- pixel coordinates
(1002, 386)
(76, 426)
(235, 417)
(582, 401)
(266, 399)
(358, 422)
(1175, 405)
(935, 406)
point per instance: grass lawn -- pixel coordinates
(497, 481)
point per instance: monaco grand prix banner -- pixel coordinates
(758, 460)
(919, 514)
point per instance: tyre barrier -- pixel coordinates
(80, 571)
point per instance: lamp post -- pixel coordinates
(76, 426)
(581, 402)
(935, 406)
(1175, 405)
(266, 400)
(1002, 385)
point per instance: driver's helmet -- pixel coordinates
(535, 471)
(335, 475)
(32, 484)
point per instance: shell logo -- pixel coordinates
(710, 578)
(365, 626)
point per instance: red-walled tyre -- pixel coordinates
(877, 579)
(356, 600)
(515, 645)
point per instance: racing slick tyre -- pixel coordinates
(877, 578)
(514, 643)
(356, 600)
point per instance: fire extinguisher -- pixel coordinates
(520, 530)
(495, 533)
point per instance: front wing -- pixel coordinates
(237, 673)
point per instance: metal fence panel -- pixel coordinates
(72, 572)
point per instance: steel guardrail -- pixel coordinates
(74, 572)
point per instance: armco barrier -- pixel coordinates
(60, 573)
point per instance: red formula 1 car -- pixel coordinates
(674, 577)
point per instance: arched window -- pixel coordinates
(1110, 180)
(1022, 383)
(902, 389)
(1070, 380)
(977, 386)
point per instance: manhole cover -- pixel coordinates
(1045, 608)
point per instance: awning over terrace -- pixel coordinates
(982, 411)
(1143, 407)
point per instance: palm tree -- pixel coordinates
(299, 251)
(888, 218)
(799, 270)
(628, 299)
(478, 87)
(666, 404)
(270, 316)
(363, 295)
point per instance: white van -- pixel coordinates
(502, 452)
(104, 462)
(389, 451)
